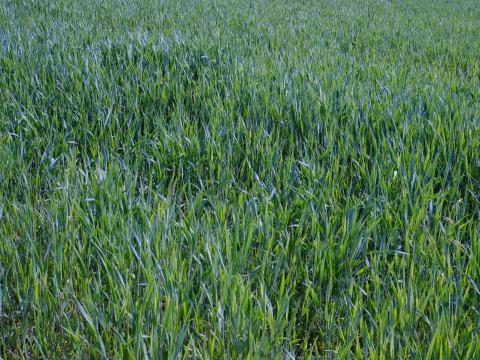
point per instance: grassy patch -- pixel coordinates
(224, 179)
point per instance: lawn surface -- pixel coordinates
(239, 179)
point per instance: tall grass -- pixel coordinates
(224, 179)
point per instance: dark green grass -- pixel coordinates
(226, 179)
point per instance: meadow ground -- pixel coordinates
(239, 179)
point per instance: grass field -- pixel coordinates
(239, 179)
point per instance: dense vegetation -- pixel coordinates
(239, 179)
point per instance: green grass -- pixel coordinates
(239, 179)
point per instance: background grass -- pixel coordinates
(226, 179)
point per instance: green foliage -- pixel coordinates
(239, 179)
